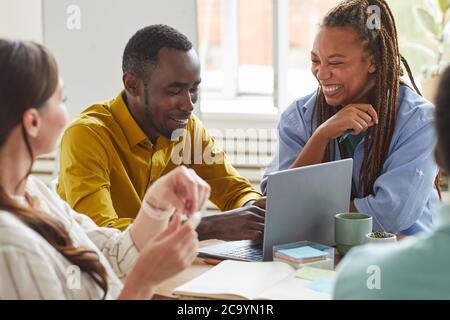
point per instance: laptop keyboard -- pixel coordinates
(249, 253)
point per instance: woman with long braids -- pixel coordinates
(48, 251)
(415, 268)
(363, 110)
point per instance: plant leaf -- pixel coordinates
(428, 21)
(420, 48)
(444, 5)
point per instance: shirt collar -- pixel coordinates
(308, 106)
(130, 128)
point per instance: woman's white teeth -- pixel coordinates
(331, 89)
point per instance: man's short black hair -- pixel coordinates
(443, 118)
(143, 47)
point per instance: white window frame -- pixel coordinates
(230, 53)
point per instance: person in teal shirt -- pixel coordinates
(414, 268)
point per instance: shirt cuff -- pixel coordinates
(128, 253)
(243, 201)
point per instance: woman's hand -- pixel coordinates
(170, 252)
(181, 189)
(355, 117)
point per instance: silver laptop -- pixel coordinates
(301, 204)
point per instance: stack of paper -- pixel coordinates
(300, 255)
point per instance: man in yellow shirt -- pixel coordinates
(114, 151)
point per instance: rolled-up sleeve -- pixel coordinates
(402, 191)
(117, 246)
(229, 190)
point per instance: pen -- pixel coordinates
(345, 135)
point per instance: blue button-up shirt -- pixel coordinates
(404, 194)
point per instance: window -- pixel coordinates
(235, 45)
(255, 54)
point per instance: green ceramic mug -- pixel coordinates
(350, 230)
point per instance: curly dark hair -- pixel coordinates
(142, 49)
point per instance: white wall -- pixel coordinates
(21, 19)
(90, 58)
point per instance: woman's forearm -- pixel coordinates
(136, 288)
(146, 228)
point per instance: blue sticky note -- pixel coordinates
(303, 252)
(321, 285)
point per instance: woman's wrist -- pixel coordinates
(136, 286)
(137, 290)
(155, 212)
(320, 136)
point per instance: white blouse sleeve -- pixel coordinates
(117, 246)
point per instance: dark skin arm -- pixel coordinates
(357, 117)
(240, 224)
(353, 208)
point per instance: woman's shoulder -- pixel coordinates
(15, 233)
(39, 189)
(413, 105)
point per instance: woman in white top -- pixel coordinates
(48, 251)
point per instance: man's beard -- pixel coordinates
(160, 129)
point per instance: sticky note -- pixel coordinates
(303, 252)
(320, 285)
(310, 273)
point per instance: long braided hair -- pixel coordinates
(382, 44)
(28, 78)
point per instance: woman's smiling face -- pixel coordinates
(341, 65)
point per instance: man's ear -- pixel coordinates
(132, 84)
(32, 122)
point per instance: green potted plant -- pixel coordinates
(380, 237)
(435, 19)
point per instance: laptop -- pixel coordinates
(301, 205)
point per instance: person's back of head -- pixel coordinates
(443, 120)
(29, 77)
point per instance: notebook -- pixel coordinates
(237, 280)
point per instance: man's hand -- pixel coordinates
(245, 223)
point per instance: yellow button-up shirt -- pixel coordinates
(107, 163)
